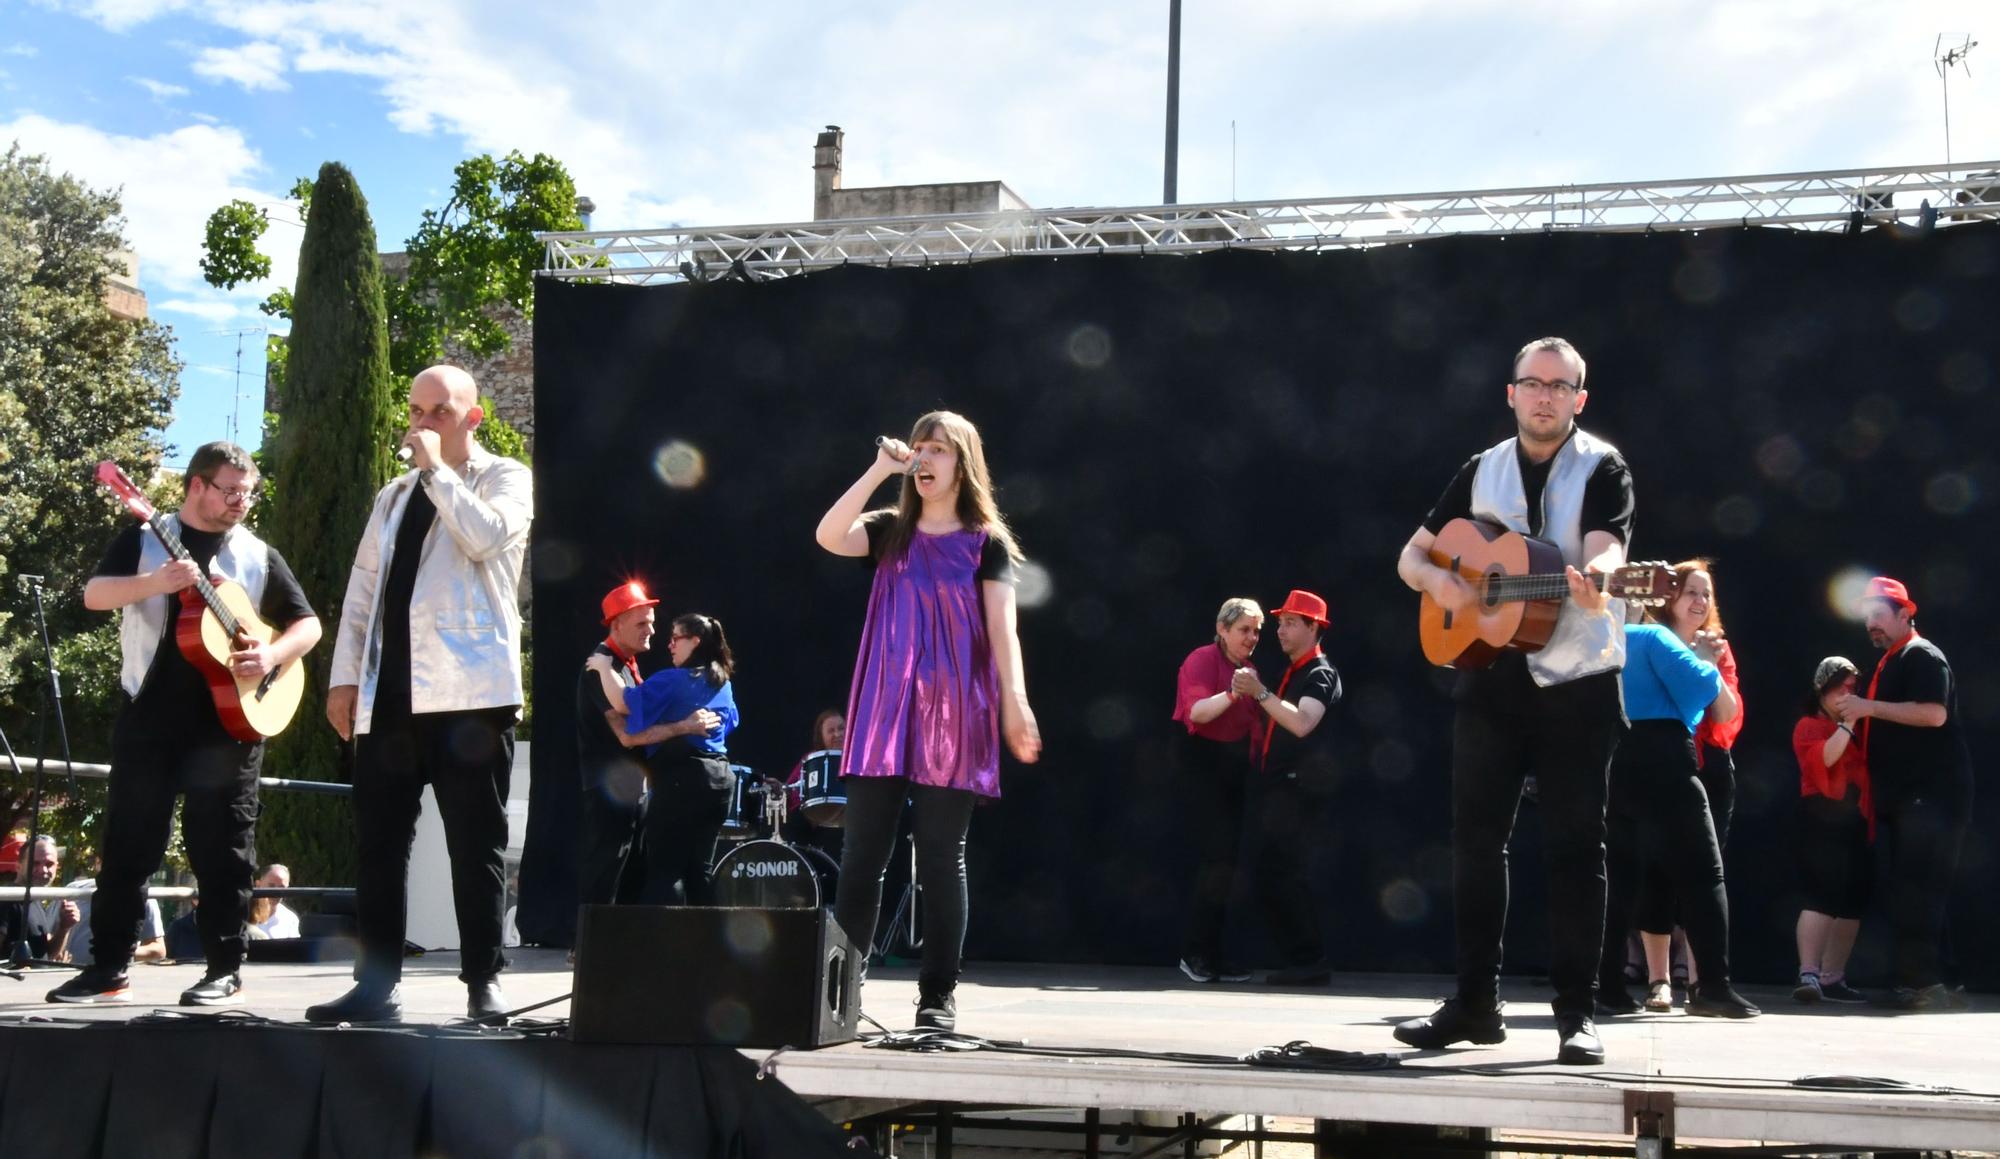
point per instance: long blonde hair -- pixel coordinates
(976, 509)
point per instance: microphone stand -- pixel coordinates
(51, 702)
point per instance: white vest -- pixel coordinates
(241, 557)
(1583, 643)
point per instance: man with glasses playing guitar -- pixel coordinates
(1552, 711)
(192, 725)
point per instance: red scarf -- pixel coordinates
(1271, 722)
(1875, 682)
(631, 663)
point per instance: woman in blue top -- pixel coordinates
(688, 775)
(1657, 811)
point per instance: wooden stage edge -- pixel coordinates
(1724, 1080)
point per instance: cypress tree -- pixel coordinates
(334, 451)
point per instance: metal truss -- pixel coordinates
(1811, 201)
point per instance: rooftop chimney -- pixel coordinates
(584, 208)
(826, 171)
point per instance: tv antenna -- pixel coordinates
(1947, 59)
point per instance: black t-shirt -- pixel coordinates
(1904, 761)
(994, 562)
(37, 921)
(173, 686)
(392, 680)
(596, 747)
(1607, 496)
(1309, 755)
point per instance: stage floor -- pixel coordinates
(1728, 1080)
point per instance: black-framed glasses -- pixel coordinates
(244, 495)
(1555, 388)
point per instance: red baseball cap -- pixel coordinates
(1884, 588)
(624, 598)
(1303, 603)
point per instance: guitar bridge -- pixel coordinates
(1448, 613)
(264, 685)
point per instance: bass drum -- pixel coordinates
(774, 875)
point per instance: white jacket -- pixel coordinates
(465, 614)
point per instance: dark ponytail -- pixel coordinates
(711, 648)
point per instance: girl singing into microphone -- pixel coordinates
(937, 684)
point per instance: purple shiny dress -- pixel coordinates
(925, 702)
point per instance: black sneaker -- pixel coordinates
(216, 989)
(1719, 1002)
(364, 1003)
(1450, 1023)
(1809, 990)
(936, 1010)
(484, 999)
(91, 986)
(1840, 992)
(1199, 969)
(1578, 1041)
(1310, 974)
(1229, 972)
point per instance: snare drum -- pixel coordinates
(822, 790)
(746, 806)
(772, 874)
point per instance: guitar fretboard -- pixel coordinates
(179, 550)
(1553, 586)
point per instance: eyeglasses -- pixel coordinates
(1558, 388)
(243, 495)
(677, 638)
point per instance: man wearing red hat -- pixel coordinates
(613, 779)
(1920, 772)
(1294, 776)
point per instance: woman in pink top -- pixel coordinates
(1212, 757)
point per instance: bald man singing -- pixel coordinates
(427, 683)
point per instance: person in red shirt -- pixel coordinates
(1212, 757)
(1836, 824)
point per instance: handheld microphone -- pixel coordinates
(404, 454)
(910, 464)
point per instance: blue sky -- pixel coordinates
(673, 112)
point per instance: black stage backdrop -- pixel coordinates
(1166, 432)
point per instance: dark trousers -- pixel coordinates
(689, 800)
(1564, 736)
(1922, 838)
(1659, 908)
(940, 819)
(609, 860)
(1214, 779)
(152, 762)
(1658, 815)
(467, 759)
(1287, 818)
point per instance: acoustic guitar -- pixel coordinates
(214, 614)
(1520, 584)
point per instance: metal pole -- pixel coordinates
(1172, 194)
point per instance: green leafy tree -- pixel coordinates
(329, 457)
(77, 385)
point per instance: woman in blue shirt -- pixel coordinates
(688, 776)
(1658, 811)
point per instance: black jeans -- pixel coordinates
(1287, 820)
(1564, 736)
(689, 800)
(609, 860)
(1658, 815)
(1214, 779)
(1923, 837)
(152, 762)
(467, 758)
(940, 820)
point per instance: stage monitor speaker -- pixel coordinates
(713, 975)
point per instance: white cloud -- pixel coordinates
(208, 309)
(119, 15)
(20, 50)
(170, 183)
(161, 90)
(257, 65)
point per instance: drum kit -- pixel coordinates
(762, 869)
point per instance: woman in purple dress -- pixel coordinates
(937, 685)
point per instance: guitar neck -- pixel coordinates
(1550, 586)
(205, 589)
